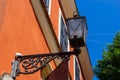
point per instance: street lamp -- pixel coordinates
(77, 29)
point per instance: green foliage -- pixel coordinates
(109, 67)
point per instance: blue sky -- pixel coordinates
(103, 20)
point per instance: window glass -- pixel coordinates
(77, 70)
(63, 35)
(47, 4)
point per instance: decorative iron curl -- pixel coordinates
(29, 64)
(33, 64)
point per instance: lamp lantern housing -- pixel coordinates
(77, 29)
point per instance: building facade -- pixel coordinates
(39, 26)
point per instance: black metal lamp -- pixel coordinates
(77, 29)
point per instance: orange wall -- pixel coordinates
(54, 15)
(81, 77)
(71, 67)
(19, 32)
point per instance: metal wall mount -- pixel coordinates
(29, 64)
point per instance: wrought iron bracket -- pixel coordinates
(29, 64)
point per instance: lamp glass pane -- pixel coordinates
(85, 31)
(76, 26)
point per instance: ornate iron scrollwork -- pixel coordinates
(29, 64)
(32, 64)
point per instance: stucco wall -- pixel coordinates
(19, 32)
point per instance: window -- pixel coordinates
(77, 70)
(48, 5)
(63, 35)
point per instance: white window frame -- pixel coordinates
(75, 58)
(50, 1)
(59, 27)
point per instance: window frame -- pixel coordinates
(48, 5)
(61, 18)
(76, 61)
